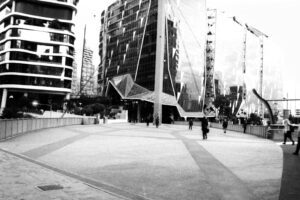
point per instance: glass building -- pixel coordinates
(127, 49)
(36, 49)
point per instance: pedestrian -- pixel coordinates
(288, 129)
(245, 125)
(148, 119)
(298, 143)
(225, 125)
(204, 127)
(191, 124)
(157, 121)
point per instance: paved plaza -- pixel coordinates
(133, 161)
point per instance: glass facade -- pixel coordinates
(128, 52)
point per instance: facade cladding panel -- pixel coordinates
(36, 47)
(128, 45)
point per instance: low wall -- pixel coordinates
(260, 131)
(195, 123)
(10, 128)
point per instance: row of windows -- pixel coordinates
(35, 69)
(56, 37)
(35, 81)
(35, 58)
(36, 47)
(54, 24)
(46, 10)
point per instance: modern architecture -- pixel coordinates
(128, 51)
(36, 49)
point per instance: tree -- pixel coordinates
(98, 108)
(223, 102)
(10, 112)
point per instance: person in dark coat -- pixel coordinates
(191, 124)
(157, 121)
(204, 127)
(224, 125)
(298, 144)
(245, 125)
(148, 119)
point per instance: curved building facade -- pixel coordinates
(36, 49)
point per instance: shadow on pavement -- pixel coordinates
(290, 182)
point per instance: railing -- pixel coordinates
(13, 127)
(260, 131)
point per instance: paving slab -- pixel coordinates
(133, 161)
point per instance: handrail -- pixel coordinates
(10, 128)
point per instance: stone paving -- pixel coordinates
(132, 161)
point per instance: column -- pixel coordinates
(159, 62)
(4, 99)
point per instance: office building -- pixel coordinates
(128, 41)
(88, 80)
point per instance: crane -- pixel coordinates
(261, 37)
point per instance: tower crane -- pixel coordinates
(261, 37)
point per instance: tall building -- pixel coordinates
(75, 80)
(36, 49)
(88, 76)
(128, 41)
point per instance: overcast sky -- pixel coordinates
(276, 18)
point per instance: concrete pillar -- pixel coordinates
(3, 101)
(159, 63)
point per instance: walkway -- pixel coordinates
(125, 161)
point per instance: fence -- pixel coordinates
(260, 131)
(13, 127)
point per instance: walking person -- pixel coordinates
(204, 127)
(148, 119)
(157, 121)
(298, 143)
(288, 129)
(245, 125)
(225, 125)
(191, 124)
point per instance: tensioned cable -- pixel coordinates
(187, 56)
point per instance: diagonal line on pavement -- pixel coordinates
(49, 148)
(226, 184)
(110, 189)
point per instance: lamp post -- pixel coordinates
(36, 103)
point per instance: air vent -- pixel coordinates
(50, 187)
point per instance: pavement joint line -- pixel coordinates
(139, 136)
(188, 142)
(109, 189)
(54, 146)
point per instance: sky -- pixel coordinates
(276, 18)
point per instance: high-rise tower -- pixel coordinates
(36, 49)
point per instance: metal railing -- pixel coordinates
(260, 131)
(10, 128)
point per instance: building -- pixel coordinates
(36, 49)
(128, 40)
(88, 80)
(75, 80)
